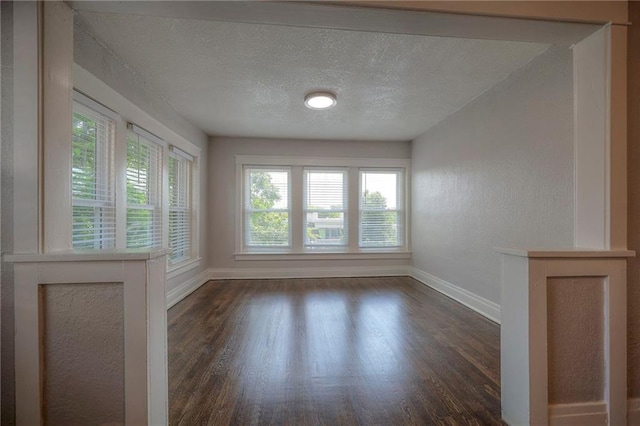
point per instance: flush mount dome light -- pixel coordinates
(320, 100)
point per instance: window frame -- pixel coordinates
(156, 192)
(106, 175)
(297, 250)
(178, 155)
(400, 203)
(123, 113)
(306, 210)
(246, 211)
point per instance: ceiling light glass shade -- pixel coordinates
(320, 100)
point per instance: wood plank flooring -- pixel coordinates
(347, 351)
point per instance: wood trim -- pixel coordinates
(26, 107)
(187, 287)
(569, 11)
(360, 255)
(484, 307)
(27, 359)
(340, 272)
(145, 351)
(56, 107)
(525, 291)
(42, 348)
(618, 138)
(586, 414)
(591, 140)
(135, 346)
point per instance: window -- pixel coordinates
(267, 213)
(180, 207)
(92, 178)
(321, 207)
(325, 206)
(380, 208)
(144, 190)
(130, 188)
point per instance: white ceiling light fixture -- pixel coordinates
(320, 100)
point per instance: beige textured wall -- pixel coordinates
(84, 354)
(633, 234)
(575, 339)
(497, 173)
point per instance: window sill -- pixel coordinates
(180, 268)
(363, 255)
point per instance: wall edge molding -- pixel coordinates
(583, 413)
(343, 272)
(484, 307)
(192, 284)
(187, 287)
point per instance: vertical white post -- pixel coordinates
(524, 342)
(591, 77)
(57, 58)
(353, 208)
(297, 208)
(26, 63)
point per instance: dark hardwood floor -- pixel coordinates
(348, 351)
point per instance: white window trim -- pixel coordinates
(297, 251)
(90, 87)
(180, 154)
(402, 196)
(94, 106)
(344, 210)
(289, 210)
(157, 202)
(176, 269)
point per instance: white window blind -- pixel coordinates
(180, 207)
(381, 208)
(92, 179)
(267, 207)
(144, 191)
(325, 207)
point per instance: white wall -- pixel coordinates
(499, 172)
(222, 205)
(95, 57)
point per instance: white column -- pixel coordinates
(57, 89)
(524, 344)
(26, 204)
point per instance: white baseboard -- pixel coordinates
(187, 287)
(484, 307)
(579, 414)
(346, 272)
(633, 408)
(191, 285)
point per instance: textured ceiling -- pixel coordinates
(239, 79)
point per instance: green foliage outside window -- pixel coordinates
(378, 225)
(266, 228)
(140, 220)
(83, 180)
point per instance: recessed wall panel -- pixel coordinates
(575, 339)
(83, 357)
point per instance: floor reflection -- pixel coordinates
(268, 348)
(374, 351)
(327, 324)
